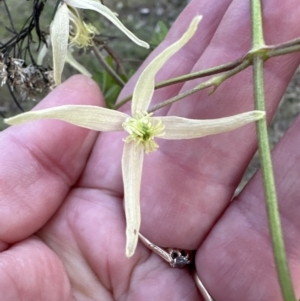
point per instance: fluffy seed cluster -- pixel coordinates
(27, 80)
(142, 130)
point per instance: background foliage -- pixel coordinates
(144, 19)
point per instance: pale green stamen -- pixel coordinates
(81, 33)
(85, 37)
(143, 130)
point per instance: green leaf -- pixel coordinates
(159, 34)
(111, 95)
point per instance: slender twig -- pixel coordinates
(24, 36)
(9, 17)
(14, 98)
(106, 66)
(265, 159)
(270, 51)
(55, 9)
(213, 82)
(119, 66)
(287, 44)
(190, 76)
(282, 51)
(2, 114)
(202, 73)
(37, 10)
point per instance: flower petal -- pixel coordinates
(75, 64)
(42, 53)
(184, 128)
(132, 164)
(144, 88)
(106, 12)
(59, 32)
(91, 117)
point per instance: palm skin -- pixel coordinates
(62, 225)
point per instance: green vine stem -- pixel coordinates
(201, 73)
(293, 42)
(281, 51)
(269, 51)
(265, 158)
(186, 77)
(213, 82)
(106, 66)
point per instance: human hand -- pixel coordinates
(62, 221)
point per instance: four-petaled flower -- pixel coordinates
(81, 33)
(142, 129)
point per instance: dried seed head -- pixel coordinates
(28, 80)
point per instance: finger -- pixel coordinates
(88, 234)
(40, 161)
(194, 180)
(104, 164)
(186, 186)
(237, 256)
(22, 278)
(186, 58)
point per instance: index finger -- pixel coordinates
(190, 183)
(40, 161)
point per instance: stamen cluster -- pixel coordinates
(142, 130)
(81, 33)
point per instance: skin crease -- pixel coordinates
(62, 226)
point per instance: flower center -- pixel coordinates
(142, 129)
(81, 33)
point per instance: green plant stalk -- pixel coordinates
(269, 187)
(289, 43)
(201, 73)
(106, 66)
(265, 159)
(213, 82)
(282, 51)
(257, 27)
(189, 76)
(270, 51)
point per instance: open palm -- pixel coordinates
(62, 225)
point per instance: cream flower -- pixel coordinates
(142, 129)
(81, 33)
(69, 59)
